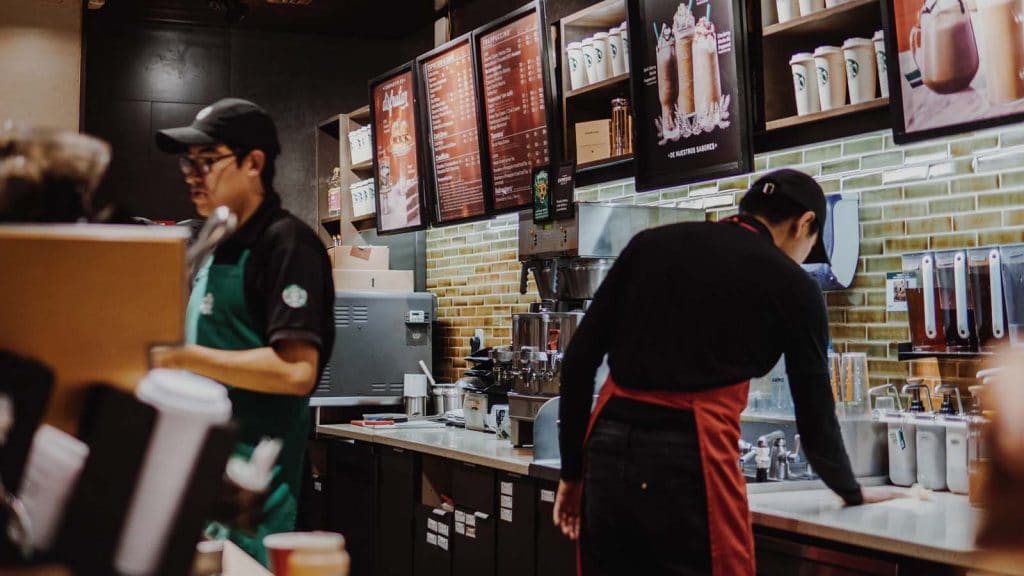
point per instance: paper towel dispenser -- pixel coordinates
(842, 242)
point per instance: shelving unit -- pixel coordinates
(592, 102)
(333, 151)
(906, 352)
(776, 122)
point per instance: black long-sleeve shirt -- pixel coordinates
(697, 306)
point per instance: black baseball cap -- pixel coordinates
(804, 191)
(236, 123)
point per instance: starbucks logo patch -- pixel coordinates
(823, 77)
(206, 305)
(853, 67)
(801, 82)
(295, 296)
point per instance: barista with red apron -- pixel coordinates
(687, 316)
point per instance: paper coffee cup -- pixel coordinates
(808, 7)
(588, 59)
(281, 546)
(577, 69)
(805, 83)
(882, 65)
(602, 64)
(831, 72)
(51, 472)
(615, 51)
(769, 13)
(833, 3)
(861, 69)
(187, 406)
(787, 10)
(415, 385)
(625, 47)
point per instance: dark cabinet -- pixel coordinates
(516, 551)
(556, 554)
(433, 541)
(475, 522)
(397, 500)
(352, 499)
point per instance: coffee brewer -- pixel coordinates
(568, 260)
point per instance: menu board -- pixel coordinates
(692, 121)
(451, 110)
(953, 65)
(515, 106)
(395, 153)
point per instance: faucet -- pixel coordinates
(893, 391)
(793, 457)
(942, 386)
(917, 384)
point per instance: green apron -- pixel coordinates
(218, 317)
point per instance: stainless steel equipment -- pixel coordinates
(447, 397)
(379, 337)
(568, 259)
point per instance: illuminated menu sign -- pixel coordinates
(395, 156)
(452, 113)
(514, 107)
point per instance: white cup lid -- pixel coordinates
(186, 393)
(588, 41)
(801, 57)
(822, 50)
(600, 35)
(879, 35)
(614, 31)
(574, 46)
(857, 42)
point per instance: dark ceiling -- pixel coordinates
(358, 18)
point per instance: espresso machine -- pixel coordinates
(568, 260)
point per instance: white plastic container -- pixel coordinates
(51, 473)
(589, 60)
(957, 478)
(831, 73)
(805, 83)
(902, 443)
(931, 453)
(861, 69)
(882, 65)
(577, 68)
(187, 405)
(602, 64)
(615, 51)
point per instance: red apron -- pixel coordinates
(717, 413)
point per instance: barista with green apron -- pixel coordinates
(260, 317)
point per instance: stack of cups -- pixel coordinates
(589, 59)
(54, 464)
(187, 406)
(602, 63)
(830, 68)
(787, 10)
(599, 57)
(415, 394)
(615, 54)
(625, 47)
(861, 69)
(808, 7)
(805, 83)
(883, 72)
(577, 68)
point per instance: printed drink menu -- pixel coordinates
(397, 171)
(514, 108)
(451, 98)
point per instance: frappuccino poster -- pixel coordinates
(691, 114)
(959, 64)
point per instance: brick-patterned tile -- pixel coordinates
(977, 221)
(840, 167)
(954, 205)
(859, 146)
(847, 331)
(882, 229)
(906, 244)
(926, 190)
(905, 210)
(865, 316)
(889, 333)
(951, 241)
(934, 225)
(1001, 237)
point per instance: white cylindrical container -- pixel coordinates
(902, 441)
(808, 7)
(957, 477)
(931, 455)
(187, 405)
(831, 71)
(625, 46)
(51, 472)
(769, 13)
(577, 68)
(615, 51)
(833, 3)
(861, 69)
(602, 65)
(805, 83)
(882, 65)
(787, 10)
(588, 59)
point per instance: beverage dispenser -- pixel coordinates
(1013, 290)
(956, 309)
(986, 276)
(926, 329)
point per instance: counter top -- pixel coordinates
(455, 443)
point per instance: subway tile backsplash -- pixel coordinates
(964, 191)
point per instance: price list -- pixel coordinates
(451, 96)
(397, 177)
(514, 108)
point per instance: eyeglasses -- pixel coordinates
(202, 165)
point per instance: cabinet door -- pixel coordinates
(433, 542)
(352, 500)
(473, 487)
(516, 550)
(398, 487)
(556, 554)
(473, 543)
(779, 557)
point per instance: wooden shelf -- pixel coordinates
(819, 116)
(906, 352)
(600, 86)
(361, 115)
(604, 15)
(603, 163)
(826, 21)
(365, 222)
(362, 166)
(606, 170)
(331, 219)
(331, 126)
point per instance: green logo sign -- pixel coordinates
(800, 81)
(822, 77)
(852, 67)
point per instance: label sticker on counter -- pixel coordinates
(431, 538)
(470, 520)
(506, 501)
(460, 516)
(432, 525)
(482, 516)
(506, 488)
(506, 515)
(442, 542)
(442, 529)
(547, 495)
(471, 533)
(460, 528)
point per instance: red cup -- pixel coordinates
(281, 546)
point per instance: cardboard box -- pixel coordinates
(360, 257)
(374, 280)
(593, 141)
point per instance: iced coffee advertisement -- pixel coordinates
(395, 155)
(691, 120)
(960, 62)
